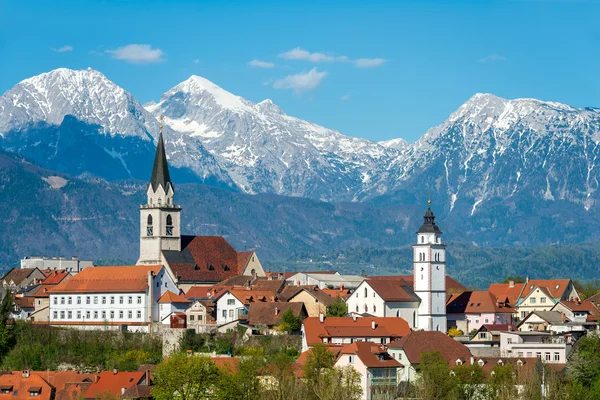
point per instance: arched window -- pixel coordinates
(159, 201)
(149, 229)
(169, 225)
(357, 308)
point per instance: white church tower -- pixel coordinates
(159, 217)
(430, 275)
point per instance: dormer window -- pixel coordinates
(35, 391)
(480, 362)
(459, 362)
(6, 389)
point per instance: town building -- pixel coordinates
(172, 303)
(543, 294)
(191, 260)
(18, 279)
(470, 310)
(265, 318)
(72, 265)
(124, 297)
(325, 280)
(578, 311)
(548, 347)
(408, 349)
(346, 330)
(233, 304)
(25, 385)
(385, 298)
(378, 370)
(315, 300)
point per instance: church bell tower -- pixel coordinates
(159, 217)
(429, 256)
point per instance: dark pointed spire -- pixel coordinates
(429, 225)
(160, 171)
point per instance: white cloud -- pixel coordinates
(301, 82)
(299, 54)
(138, 54)
(196, 61)
(493, 57)
(369, 62)
(63, 49)
(261, 64)
(345, 97)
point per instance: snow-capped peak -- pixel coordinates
(398, 144)
(197, 85)
(267, 105)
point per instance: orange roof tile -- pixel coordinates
(170, 297)
(451, 284)
(418, 342)
(389, 327)
(121, 279)
(20, 387)
(507, 292)
(371, 354)
(55, 277)
(476, 302)
(555, 287)
(111, 382)
(393, 290)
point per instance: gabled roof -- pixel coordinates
(111, 382)
(389, 327)
(475, 302)
(41, 291)
(170, 297)
(393, 290)
(18, 275)
(580, 306)
(372, 355)
(522, 365)
(269, 314)
(246, 296)
(72, 390)
(55, 277)
(206, 259)
(496, 328)
(121, 279)
(418, 342)
(451, 284)
(335, 293)
(551, 317)
(507, 292)
(556, 288)
(317, 294)
(136, 392)
(24, 302)
(274, 286)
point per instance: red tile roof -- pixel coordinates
(206, 259)
(372, 355)
(54, 277)
(170, 297)
(451, 284)
(418, 342)
(476, 302)
(18, 275)
(24, 302)
(20, 387)
(390, 327)
(393, 290)
(507, 292)
(72, 391)
(269, 314)
(334, 293)
(227, 364)
(555, 287)
(42, 291)
(122, 279)
(246, 296)
(111, 382)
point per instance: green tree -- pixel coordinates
(503, 383)
(338, 308)
(241, 382)
(469, 378)
(185, 378)
(587, 288)
(289, 322)
(7, 335)
(435, 381)
(284, 385)
(583, 368)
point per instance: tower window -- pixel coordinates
(169, 225)
(422, 239)
(149, 229)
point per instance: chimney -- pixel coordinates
(115, 371)
(373, 324)
(321, 317)
(25, 373)
(95, 379)
(511, 284)
(527, 280)
(342, 287)
(354, 316)
(122, 391)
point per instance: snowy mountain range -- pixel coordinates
(491, 157)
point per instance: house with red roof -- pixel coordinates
(408, 350)
(578, 311)
(385, 298)
(472, 309)
(233, 304)
(115, 383)
(190, 260)
(170, 303)
(543, 294)
(339, 331)
(25, 385)
(376, 367)
(112, 297)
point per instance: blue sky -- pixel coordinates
(377, 69)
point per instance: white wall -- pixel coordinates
(372, 301)
(122, 308)
(229, 304)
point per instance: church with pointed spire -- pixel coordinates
(429, 280)
(190, 260)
